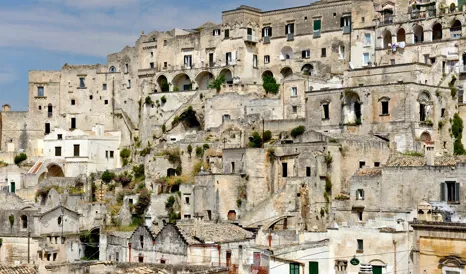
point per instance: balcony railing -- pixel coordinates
(316, 34)
(290, 37)
(416, 15)
(251, 38)
(455, 33)
(346, 29)
(266, 39)
(387, 21)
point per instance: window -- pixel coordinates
(40, 107)
(129, 83)
(112, 69)
(106, 102)
(228, 58)
(59, 223)
(377, 269)
(392, 62)
(47, 128)
(165, 64)
(81, 82)
(90, 97)
(188, 61)
(232, 167)
(313, 267)
(104, 86)
(249, 31)
(216, 32)
(151, 64)
(360, 194)
(267, 32)
(211, 60)
(317, 27)
(112, 154)
(366, 59)
(325, 112)
(360, 245)
(141, 241)
(294, 268)
(422, 112)
(306, 53)
(266, 59)
(308, 171)
(58, 151)
(289, 29)
(324, 52)
(227, 33)
(362, 164)
(106, 154)
(450, 192)
(60, 136)
(40, 91)
(376, 164)
(24, 222)
(73, 123)
(126, 68)
(341, 52)
(151, 54)
(226, 117)
(363, 19)
(345, 21)
(294, 109)
(442, 113)
(76, 150)
(294, 91)
(73, 102)
(367, 39)
(117, 256)
(254, 61)
(165, 42)
(284, 170)
(186, 200)
(384, 107)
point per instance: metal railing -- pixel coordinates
(346, 29)
(266, 39)
(290, 36)
(316, 33)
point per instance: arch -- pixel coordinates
(452, 7)
(91, 243)
(203, 79)
(455, 29)
(228, 75)
(437, 32)
(352, 108)
(401, 35)
(286, 72)
(112, 69)
(424, 96)
(286, 53)
(307, 69)
(377, 262)
(426, 137)
(54, 170)
(418, 31)
(386, 39)
(182, 82)
(162, 82)
(267, 73)
(42, 177)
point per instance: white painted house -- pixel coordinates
(84, 152)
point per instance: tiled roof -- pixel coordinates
(217, 233)
(21, 269)
(412, 161)
(369, 172)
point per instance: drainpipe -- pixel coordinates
(394, 256)
(129, 250)
(270, 239)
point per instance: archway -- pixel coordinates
(41, 177)
(307, 69)
(228, 76)
(203, 79)
(455, 30)
(286, 72)
(163, 83)
(386, 39)
(286, 53)
(55, 171)
(437, 32)
(182, 82)
(425, 137)
(352, 108)
(401, 35)
(90, 241)
(418, 34)
(267, 73)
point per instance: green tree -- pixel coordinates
(270, 84)
(20, 158)
(217, 82)
(267, 136)
(190, 149)
(255, 140)
(299, 130)
(457, 131)
(107, 176)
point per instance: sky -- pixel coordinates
(46, 34)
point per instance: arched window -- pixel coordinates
(24, 222)
(437, 32)
(112, 69)
(387, 39)
(401, 35)
(418, 34)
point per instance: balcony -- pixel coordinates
(316, 34)
(455, 33)
(418, 15)
(388, 20)
(251, 38)
(346, 29)
(266, 39)
(290, 37)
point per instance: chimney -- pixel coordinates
(430, 154)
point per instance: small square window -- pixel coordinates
(294, 91)
(384, 108)
(186, 199)
(360, 194)
(324, 52)
(165, 64)
(325, 112)
(106, 102)
(112, 154)
(295, 109)
(442, 113)
(151, 65)
(91, 97)
(305, 18)
(151, 54)
(73, 102)
(306, 53)
(376, 164)
(216, 32)
(308, 171)
(334, 14)
(58, 151)
(392, 62)
(60, 136)
(266, 59)
(165, 42)
(362, 164)
(104, 86)
(363, 19)
(360, 245)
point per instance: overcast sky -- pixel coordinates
(45, 34)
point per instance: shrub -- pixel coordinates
(173, 155)
(205, 146)
(138, 171)
(267, 136)
(143, 202)
(199, 152)
(197, 167)
(107, 176)
(239, 202)
(163, 99)
(457, 131)
(145, 151)
(148, 101)
(20, 158)
(270, 84)
(12, 219)
(164, 128)
(217, 82)
(255, 140)
(125, 153)
(190, 149)
(297, 131)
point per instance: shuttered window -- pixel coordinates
(317, 24)
(313, 267)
